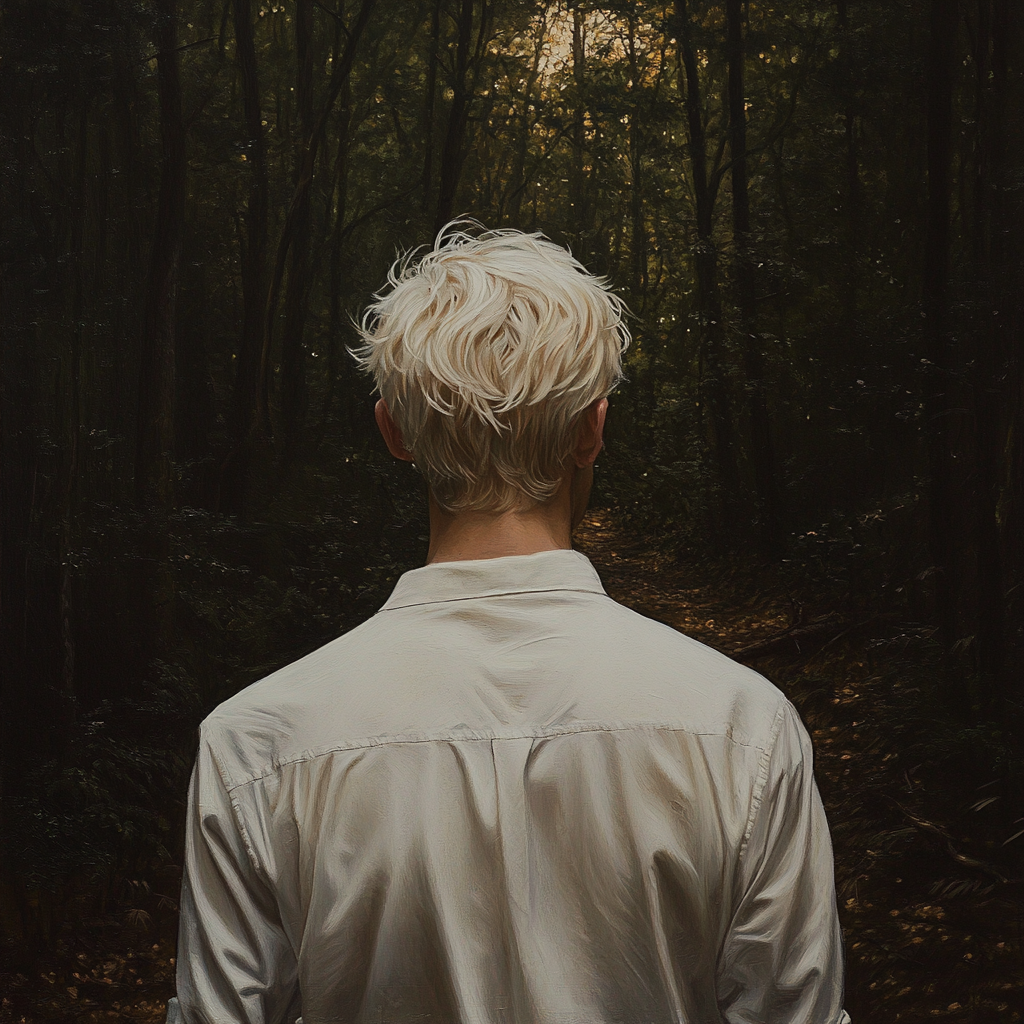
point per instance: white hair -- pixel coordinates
(487, 349)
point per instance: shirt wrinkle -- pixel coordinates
(236, 809)
(762, 773)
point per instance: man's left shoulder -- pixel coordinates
(657, 670)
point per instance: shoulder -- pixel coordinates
(641, 667)
(252, 730)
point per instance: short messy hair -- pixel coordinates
(487, 349)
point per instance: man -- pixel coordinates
(506, 797)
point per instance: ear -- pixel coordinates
(390, 432)
(590, 439)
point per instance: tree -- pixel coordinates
(467, 57)
(711, 360)
(940, 400)
(155, 444)
(990, 357)
(761, 445)
(253, 243)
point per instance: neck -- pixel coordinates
(471, 535)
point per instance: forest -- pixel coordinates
(815, 213)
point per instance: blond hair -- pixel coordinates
(487, 350)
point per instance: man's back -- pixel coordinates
(506, 797)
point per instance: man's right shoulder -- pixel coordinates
(255, 726)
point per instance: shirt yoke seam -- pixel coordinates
(487, 737)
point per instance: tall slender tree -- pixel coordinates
(637, 170)
(761, 445)
(293, 358)
(854, 190)
(467, 54)
(712, 366)
(253, 242)
(939, 398)
(430, 106)
(72, 429)
(989, 362)
(155, 430)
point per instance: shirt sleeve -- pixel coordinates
(782, 960)
(235, 963)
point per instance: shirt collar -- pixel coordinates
(560, 569)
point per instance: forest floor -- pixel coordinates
(929, 886)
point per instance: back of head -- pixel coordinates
(487, 349)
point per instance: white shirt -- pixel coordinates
(508, 798)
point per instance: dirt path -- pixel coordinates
(931, 911)
(637, 575)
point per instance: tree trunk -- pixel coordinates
(577, 188)
(452, 154)
(848, 329)
(129, 266)
(713, 380)
(638, 223)
(990, 358)
(293, 360)
(155, 437)
(235, 472)
(1008, 261)
(429, 106)
(28, 638)
(335, 328)
(154, 482)
(512, 202)
(761, 447)
(72, 416)
(938, 400)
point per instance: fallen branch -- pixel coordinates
(788, 641)
(937, 832)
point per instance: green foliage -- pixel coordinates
(114, 800)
